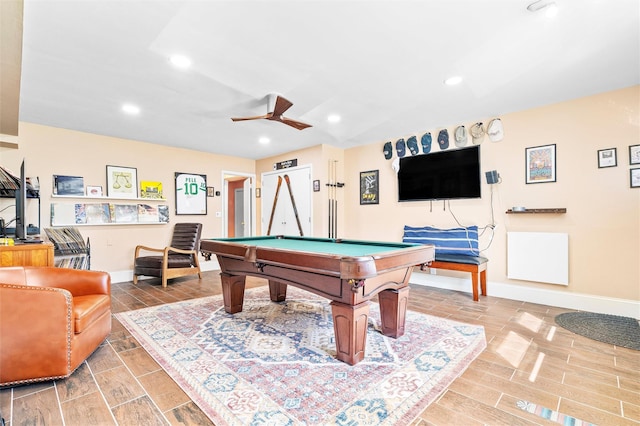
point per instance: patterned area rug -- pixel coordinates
(274, 363)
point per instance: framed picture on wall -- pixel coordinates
(634, 154)
(607, 158)
(191, 193)
(541, 164)
(122, 182)
(634, 176)
(369, 187)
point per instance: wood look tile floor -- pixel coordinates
(527, 358)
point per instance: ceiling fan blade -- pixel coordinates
(267, 116)
(281, 106)
(294, 123)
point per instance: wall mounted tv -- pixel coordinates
(442, 175)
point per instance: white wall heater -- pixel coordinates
(538, 256)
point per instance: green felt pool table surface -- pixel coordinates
(342, 247)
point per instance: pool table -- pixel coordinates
(347, 272)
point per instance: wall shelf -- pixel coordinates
(559, 210)
(84, 197)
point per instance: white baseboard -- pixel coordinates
(563, 299)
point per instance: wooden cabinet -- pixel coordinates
(27, 255)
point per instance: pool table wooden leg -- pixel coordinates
(233, 292)
(393, 311)
(350, 328)
(277, 291)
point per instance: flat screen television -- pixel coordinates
(442, 175)
(21, 206)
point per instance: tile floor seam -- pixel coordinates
(140, 383)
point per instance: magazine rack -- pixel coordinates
(69, 248)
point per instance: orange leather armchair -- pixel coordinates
(51, 320)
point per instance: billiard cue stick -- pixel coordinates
(275, 201)
(293, 203)
(335, 199)
(329, 198)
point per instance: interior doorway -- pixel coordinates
(239, 209)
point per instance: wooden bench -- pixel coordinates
(476, 265)
(456, 250)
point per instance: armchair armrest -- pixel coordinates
(140, 248)
(181, 251)
(39, 344)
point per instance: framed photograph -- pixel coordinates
(94, 191)
(122, 182)
(151, 189)
(369, 187)
(191, 193)
(634, 154)
(316, 186)
(211, 191)
(541, 164)
(634, 176)
(607, 158)
(68, 185)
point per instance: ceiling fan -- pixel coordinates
(277, 105)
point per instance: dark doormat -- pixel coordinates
(612, 329)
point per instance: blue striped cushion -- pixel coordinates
(447, 241)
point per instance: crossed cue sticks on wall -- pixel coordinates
(293, 202)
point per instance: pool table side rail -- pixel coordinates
(345, 267)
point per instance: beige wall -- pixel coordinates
(48, 151)
(603, 212)
(603, 218)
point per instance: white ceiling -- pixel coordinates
(378, 64)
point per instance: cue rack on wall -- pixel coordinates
(333, 185)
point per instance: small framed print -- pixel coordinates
(541, 164)
(94, 191)
(634, 154)
(369, 187)
(607, 158)
(211, 191)
(68, 185)
(634, 177)
(122, 182)
(316, 186)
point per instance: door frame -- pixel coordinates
(226, 176)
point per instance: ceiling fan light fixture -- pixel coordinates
(334, 118)
(264, 140)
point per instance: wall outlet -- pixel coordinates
(218, 214)
(432, 271)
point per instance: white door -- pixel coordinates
(283, 218)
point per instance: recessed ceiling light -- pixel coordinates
(264, 140)
(131, 109)
(333, 118)
(452, 81)
(180, 61)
